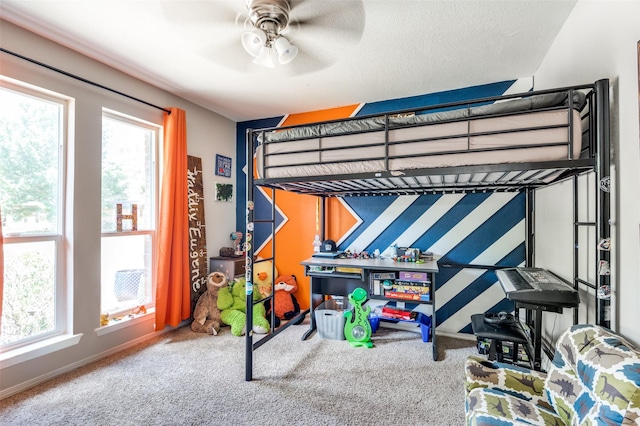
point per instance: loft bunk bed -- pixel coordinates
(517, 142)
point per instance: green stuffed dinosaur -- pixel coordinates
(232, 305)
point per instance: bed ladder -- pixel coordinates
(599, 119)
(251, 224)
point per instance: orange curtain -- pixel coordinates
(173, 303)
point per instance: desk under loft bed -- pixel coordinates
(514, 143)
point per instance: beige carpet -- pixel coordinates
(186, 378)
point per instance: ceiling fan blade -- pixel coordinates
(338, 19)
(306, 62)
(228, 52)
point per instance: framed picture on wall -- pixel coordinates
(223, 166)
(224, 192)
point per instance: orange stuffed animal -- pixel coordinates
(285, 303)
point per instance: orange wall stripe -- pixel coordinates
(322, 115)
(295, 239)
(338, 220)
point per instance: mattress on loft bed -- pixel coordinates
(428, 142)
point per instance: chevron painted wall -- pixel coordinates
(476, 228)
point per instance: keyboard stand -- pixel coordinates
(502, 333)
(533, 319)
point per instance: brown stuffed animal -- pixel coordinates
(206, 315)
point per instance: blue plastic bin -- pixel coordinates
(374, 320)
(425, 325)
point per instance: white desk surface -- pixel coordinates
(388, 264)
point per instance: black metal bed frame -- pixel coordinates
(504, 177)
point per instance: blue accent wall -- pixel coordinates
(467, 93)
(479, 228)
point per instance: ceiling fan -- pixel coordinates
(314, 33)
(269, 18)
(307, 35)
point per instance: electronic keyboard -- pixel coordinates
(537, 286)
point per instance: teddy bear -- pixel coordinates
(232, 304)
(285, 303)
(206, 315)
(263, 276)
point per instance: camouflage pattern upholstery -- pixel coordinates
(594, 380)
(505, 394)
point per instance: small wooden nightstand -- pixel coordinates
(232, 266)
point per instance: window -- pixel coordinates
(32, 169)
(129, 207)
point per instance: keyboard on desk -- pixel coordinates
(538, 286)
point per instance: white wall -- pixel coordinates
(207, 133)
(599, 41)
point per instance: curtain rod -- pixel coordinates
(84, 80)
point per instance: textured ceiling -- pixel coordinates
(351, 51)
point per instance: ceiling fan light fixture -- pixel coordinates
(286, 51)
(265, 59)
(253, 42)
(269, 18)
